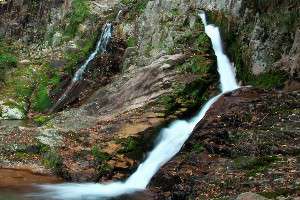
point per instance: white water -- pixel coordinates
(100, 48)
(225, 68)
(170, 141)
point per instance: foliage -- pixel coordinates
(254, 165)
(131, 41)
(53, 160)
(196, 65)
(269, 80)
(198, 148)
(129, 145)
(101, 159)
(188, 96)
(41, 119)
(7, 59)
(136, 7)
(80, 11)
(41, 99)
(99, 155)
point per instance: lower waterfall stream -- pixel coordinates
(170, 141)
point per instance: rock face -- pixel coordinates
(250, 196)
(158, 67)
(249, 140)
(265, 32)
(24, 19)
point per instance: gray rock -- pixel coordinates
(50, 137)
(250, 196)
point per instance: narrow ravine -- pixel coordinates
(169, 143)
(100, 48)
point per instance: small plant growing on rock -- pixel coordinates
(53, 160)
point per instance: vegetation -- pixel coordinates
(80, 11)
(241, 55)
(129, 145)
(198, 148)
(188, 96)
(7, 59)
(254, 165)
(197, 65)
(131, 41)
(136, 7)
(101, 159)
(41, 119)
(53, 160)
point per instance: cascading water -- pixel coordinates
(225, 68)
(100, 48)
(170, 141)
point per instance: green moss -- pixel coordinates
(129, 145)
(280, 192)
(41, 119)
(197, 65)
(53, 160)
(80, 11)
(22, 155)
(131, 42)
(7, 59)
(269, 80)
(101, 159)
(99, 155)
(127, 2)
(136, 7)
(41, 100)
(254, 165)
(175, 12)
(198, 148)
(188, 96)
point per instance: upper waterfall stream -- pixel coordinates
(100, 48)
(169, 143)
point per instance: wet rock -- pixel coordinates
(57, 39)
(9, 113)
(250, 196)
(244, 143)
(50, 137)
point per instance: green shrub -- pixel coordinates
(188, 96)
(254, 165)
(129, 145)
(196, 64)
(99, 155)
(53, 160)
(41, 119)
(131, 41)
(8, 60)
(198, 148)
(80, 11)
(41, 100)
(269, 80)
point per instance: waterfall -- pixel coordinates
(100, 48)
(225, 68)
(170, 141)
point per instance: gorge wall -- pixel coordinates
(158, 67)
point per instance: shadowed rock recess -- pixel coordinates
(158, 66)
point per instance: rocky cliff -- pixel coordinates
(158, 67)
